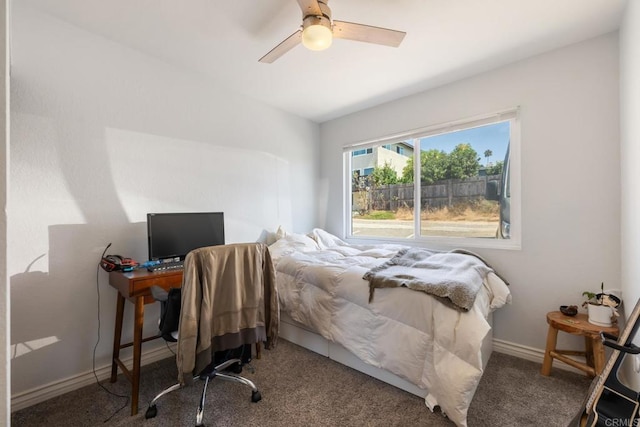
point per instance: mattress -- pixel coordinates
(406, 332)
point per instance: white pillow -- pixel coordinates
(302, 242)
(325, 239)
(270, 237)
(499, 289)
(280, 233)
(292, 243)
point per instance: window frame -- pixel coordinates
(513, 243)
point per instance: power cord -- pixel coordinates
(169, 348)
(98, 341)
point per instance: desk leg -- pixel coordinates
(552, 337)
(117, 337)
(137, 351)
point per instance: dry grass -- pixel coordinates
(473, 211)
(404, 214)
(460, 214)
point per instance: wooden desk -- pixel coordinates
(577, 325)
(134, 286)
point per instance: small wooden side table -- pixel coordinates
(576, 325)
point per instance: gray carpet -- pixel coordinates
(301, 388)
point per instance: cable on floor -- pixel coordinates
(98, 341)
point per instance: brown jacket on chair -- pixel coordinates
(229, 298)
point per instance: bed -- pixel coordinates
(405, 337)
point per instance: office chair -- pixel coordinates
(227, 302)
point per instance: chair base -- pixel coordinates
(216, 372)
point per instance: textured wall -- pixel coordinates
(569, 126)
(103, 135)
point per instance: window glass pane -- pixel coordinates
(381, 203)
(458, 170)
(463, 190)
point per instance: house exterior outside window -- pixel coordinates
(457, 183)
(370, 158)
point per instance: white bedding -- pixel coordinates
(404, 331)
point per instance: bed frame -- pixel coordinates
(299, 334)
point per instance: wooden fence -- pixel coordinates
(443, 193)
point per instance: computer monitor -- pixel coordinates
(174, 235)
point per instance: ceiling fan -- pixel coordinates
(318, 30)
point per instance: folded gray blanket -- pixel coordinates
(452, 277)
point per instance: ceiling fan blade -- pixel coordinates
(367, 33)
(310, 7)
(285, 46)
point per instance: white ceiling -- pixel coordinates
(446, 40)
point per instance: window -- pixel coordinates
(466, 193)
(362, 152)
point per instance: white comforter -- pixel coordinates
(406, 332)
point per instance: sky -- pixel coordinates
(494, 137)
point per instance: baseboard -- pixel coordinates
(40, 394)
(517, 350)
(528, 353)
(45, 392)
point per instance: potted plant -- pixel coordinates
(601, 307)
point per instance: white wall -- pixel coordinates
(570, 173)
(630, 157)
(102, 135)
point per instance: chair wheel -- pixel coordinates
(152, 411)
(256, 396)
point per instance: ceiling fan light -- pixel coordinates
(317, 37)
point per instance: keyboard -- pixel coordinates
(167, 266)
